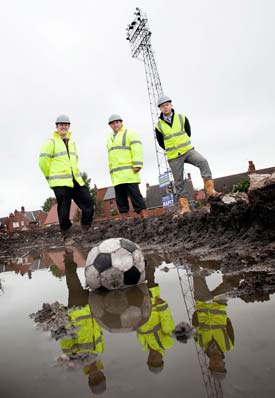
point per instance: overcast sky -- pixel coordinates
(215, 59)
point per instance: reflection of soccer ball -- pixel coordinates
(115, 263)
(121, 310)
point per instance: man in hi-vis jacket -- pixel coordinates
(173, 134)
(58, 161)
(125, 162)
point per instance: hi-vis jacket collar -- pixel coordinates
(68, 135)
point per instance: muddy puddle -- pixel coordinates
(229, 352)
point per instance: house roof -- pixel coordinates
(57, 258)
(52, 217)
(154, 196)
(3, 220)
(100, 193)
(110, 193)
(31, 215)
(225, 184)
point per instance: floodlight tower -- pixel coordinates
(212, 386)
(139, 36)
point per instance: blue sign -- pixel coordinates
(168, 201)
(164, 179)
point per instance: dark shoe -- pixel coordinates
(66, 235)
(68, 241)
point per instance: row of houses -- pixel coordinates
(106, 207)
(31, 261)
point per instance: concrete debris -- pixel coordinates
(54, 318)
(259, 181)
(237, 197)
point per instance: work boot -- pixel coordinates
(209, 189)
(68, 240)
(183, 206)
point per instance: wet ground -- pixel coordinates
(32, 362)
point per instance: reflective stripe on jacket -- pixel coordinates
(58, 166)
(124, 153)
(212, 320)
(156, 332)
(89, 336)
(176, 140)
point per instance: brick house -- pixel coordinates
(24, 220)
(106, 208)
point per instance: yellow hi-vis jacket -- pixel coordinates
(212, 321)
(89, 335)
(124, 153)
(58, 166)
(176, 140)
(156, 332)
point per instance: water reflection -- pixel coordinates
(102, 361)
(214, 330)
(35, 260)
(155, 336)
(87, 343)
(123, 310)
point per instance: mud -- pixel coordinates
(237, 235)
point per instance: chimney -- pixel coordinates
(251, 167)
(22, 209)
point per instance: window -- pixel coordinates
(15, 224)
(22, 223)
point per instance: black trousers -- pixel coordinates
(131, 190)
(82, 198)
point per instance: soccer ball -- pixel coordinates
(121, 311)
(115, 263)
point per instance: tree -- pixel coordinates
(56, 271)
(48, 204)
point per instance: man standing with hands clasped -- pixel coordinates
(58, 161)
(125, 162)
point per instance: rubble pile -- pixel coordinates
(55, 318)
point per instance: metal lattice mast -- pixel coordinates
(213, 387)
(139, 37)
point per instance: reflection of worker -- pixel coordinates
(214, 331)
(87, 341)
(76, 294)
(155, 335)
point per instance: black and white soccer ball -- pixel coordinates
(115, 263)
(122, 310)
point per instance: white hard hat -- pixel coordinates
(114, 118)
(163, 99)
(62, 119)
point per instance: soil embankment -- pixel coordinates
(237, 235)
